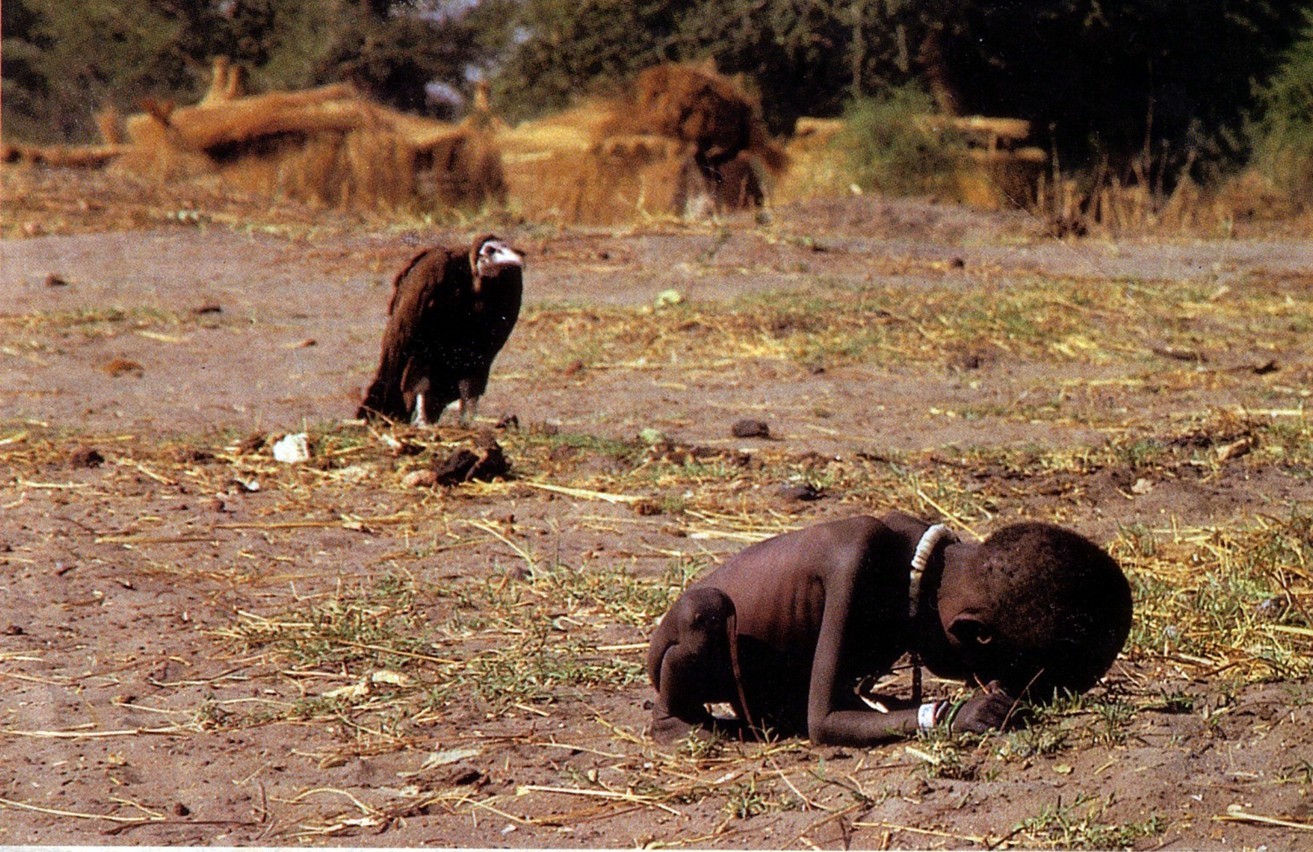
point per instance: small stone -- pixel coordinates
(802, 491)
(86, 457)
(748, 428)
(426, 478)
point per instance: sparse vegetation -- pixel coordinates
(379, 657)
(1283, 132)
(891, 152)
(1077, 826)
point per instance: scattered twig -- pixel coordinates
(1237, 813)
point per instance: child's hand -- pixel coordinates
(990, 710)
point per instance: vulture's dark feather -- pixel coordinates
(450, 314)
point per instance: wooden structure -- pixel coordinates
(999, 170)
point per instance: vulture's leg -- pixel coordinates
(417, 417)
(469, 403)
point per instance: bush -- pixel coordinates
(1282, 132)
(892, 151)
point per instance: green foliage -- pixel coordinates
(890, 152)
(1121, 82)
(1101, 83)
(1079, 826)
(63, 62)
(797, 54)
(24, 86)
(1144, 86)
(77, 58)
(804, 58)
(572, 47)
(393, 57)
(1282, 134)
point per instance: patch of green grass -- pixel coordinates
(743, 800)
(946, 755)
(376, 625)
(890, 152)
(505, 642)
(629, 452)
(1068, 722)
(1077, 826)
(1081, 321)
(103, 322)
(1036, 739)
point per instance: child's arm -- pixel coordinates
(831, 718)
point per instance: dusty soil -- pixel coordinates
(200, 645)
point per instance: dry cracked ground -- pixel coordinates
(202, 645)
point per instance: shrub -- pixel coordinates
(892, 150)
(1282, 131)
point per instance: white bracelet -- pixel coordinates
(926, 714)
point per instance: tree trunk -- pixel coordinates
(933, 60)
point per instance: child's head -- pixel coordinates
(1039, 608)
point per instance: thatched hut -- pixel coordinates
(684, 141)
(327, 145)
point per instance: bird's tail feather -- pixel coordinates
(383, 399)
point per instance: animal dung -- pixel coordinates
(292, 449)
(486, 462)
(800, 491)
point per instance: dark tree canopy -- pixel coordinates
(1098, 80)
(64, 61)
(1116, 79)
(393, 50)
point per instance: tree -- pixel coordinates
(1282, 129)
(392, 51)
(1113, 81)
(25, 86)
(63, 62)
(1100, 82)
(550, 51)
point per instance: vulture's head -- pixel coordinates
(491, 257)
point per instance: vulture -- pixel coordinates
(450, 314)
